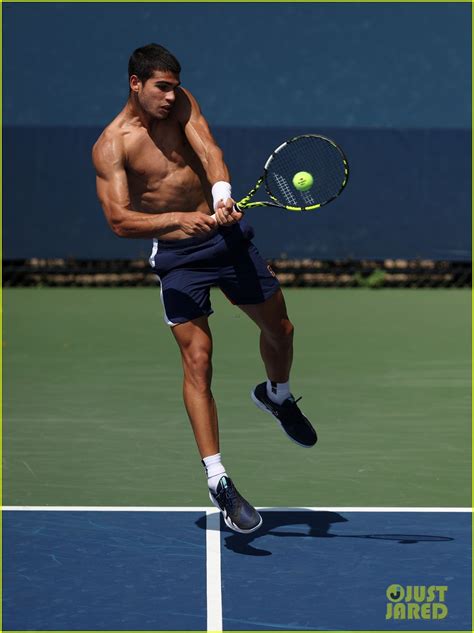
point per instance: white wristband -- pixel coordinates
(220, 191)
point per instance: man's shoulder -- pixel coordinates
(112, 139)
(114, 131)
(186, 104)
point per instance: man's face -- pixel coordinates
(157, 95)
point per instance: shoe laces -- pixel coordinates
(293, 401)
(230, 494)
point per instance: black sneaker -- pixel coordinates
(293, 422)
(238, 514)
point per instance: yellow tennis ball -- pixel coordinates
(303, 181)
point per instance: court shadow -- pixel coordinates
(318, 525)
(304, 524)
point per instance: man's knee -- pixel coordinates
(197, 365)
(288, 329)
(282, 331)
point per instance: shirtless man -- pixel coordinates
(161, 175)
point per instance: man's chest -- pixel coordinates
(155, 155)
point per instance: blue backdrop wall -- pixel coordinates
(389, 81)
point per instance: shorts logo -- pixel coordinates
(416, 602)
(271, 271)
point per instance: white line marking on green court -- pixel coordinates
(212, 509)
(213, 571)
(110, 508)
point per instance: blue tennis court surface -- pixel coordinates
(330, 570)
(303, 570)
(103, 570)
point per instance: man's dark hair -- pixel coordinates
(145, 60)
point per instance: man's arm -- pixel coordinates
(200, 138)
(113, 193)
(209, 153)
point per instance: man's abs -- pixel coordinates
(163, 181)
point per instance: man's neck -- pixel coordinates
(135, 112)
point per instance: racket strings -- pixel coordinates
(284, 187)
(312, 154)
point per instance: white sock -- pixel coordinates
(278, 391)
(214, 470)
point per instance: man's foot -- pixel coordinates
(238, 514)
(293, 422)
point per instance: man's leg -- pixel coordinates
(276, 335)
(195, 343)
(276, 348)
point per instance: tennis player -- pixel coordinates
(161, 175)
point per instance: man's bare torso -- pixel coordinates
(163, 172)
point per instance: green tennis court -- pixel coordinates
(93, 412)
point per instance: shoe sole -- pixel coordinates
(229, 522)
(261, 406)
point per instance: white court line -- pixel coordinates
(213, 570)
(109, 508)
(207, 509)
(365, 509)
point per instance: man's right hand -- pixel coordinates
(196, 223)
(226, 213)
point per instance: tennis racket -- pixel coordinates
(302, 174)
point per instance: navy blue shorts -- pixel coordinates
(187, 269)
